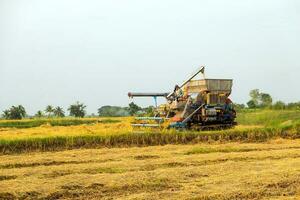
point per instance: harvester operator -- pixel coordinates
(229, 109)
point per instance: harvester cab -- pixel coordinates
(195, 104)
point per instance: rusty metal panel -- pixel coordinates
(212, 85)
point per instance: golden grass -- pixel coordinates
(205, 168)
(58, 138)
(269, 170)
(68, 121)
(99, 129)
(104, 132)
(47, 130)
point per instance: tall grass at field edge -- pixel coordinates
(52, 122)
(145, 139)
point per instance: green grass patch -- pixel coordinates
(53, 122)
(105, 170)
(267, 118)
(201, 150)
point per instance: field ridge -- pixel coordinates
(53, 143)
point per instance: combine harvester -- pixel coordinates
(198, 104)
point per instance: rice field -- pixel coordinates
(217, 171)
(255, 126)
(104, 158)
(30, 123)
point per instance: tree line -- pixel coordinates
(78, 110)
(263, 100)
(258, 100)
(19, 112)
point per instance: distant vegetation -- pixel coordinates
(56, 112)
(264, 100)
(131, 110)
(258, 100)
(113, 111)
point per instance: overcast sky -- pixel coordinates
(61, 51)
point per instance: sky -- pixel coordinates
(58, 52)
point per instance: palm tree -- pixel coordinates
(39, 114)
(21, 110)
(59, 112)
(6, 114)
(15, 112)
(49, 109)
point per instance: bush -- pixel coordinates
(113, 111)
(279, 105)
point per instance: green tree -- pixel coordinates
(251, 104)
(265, 100)
(49, 109)
(6, 114)
(149, 111)
(133, 108)
(239, 106)
(294, 105)
(58, 112)
(39, 114)
(112, 111)
(77, 110)
(15, 112)
(279, 105)
(254, 94)
(259, 99)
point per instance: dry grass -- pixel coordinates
(89, 139)
(121, 125)
(268, 170)
(255, 126)
(205, 168)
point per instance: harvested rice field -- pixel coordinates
(268, 170)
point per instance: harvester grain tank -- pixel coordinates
(195, 104)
